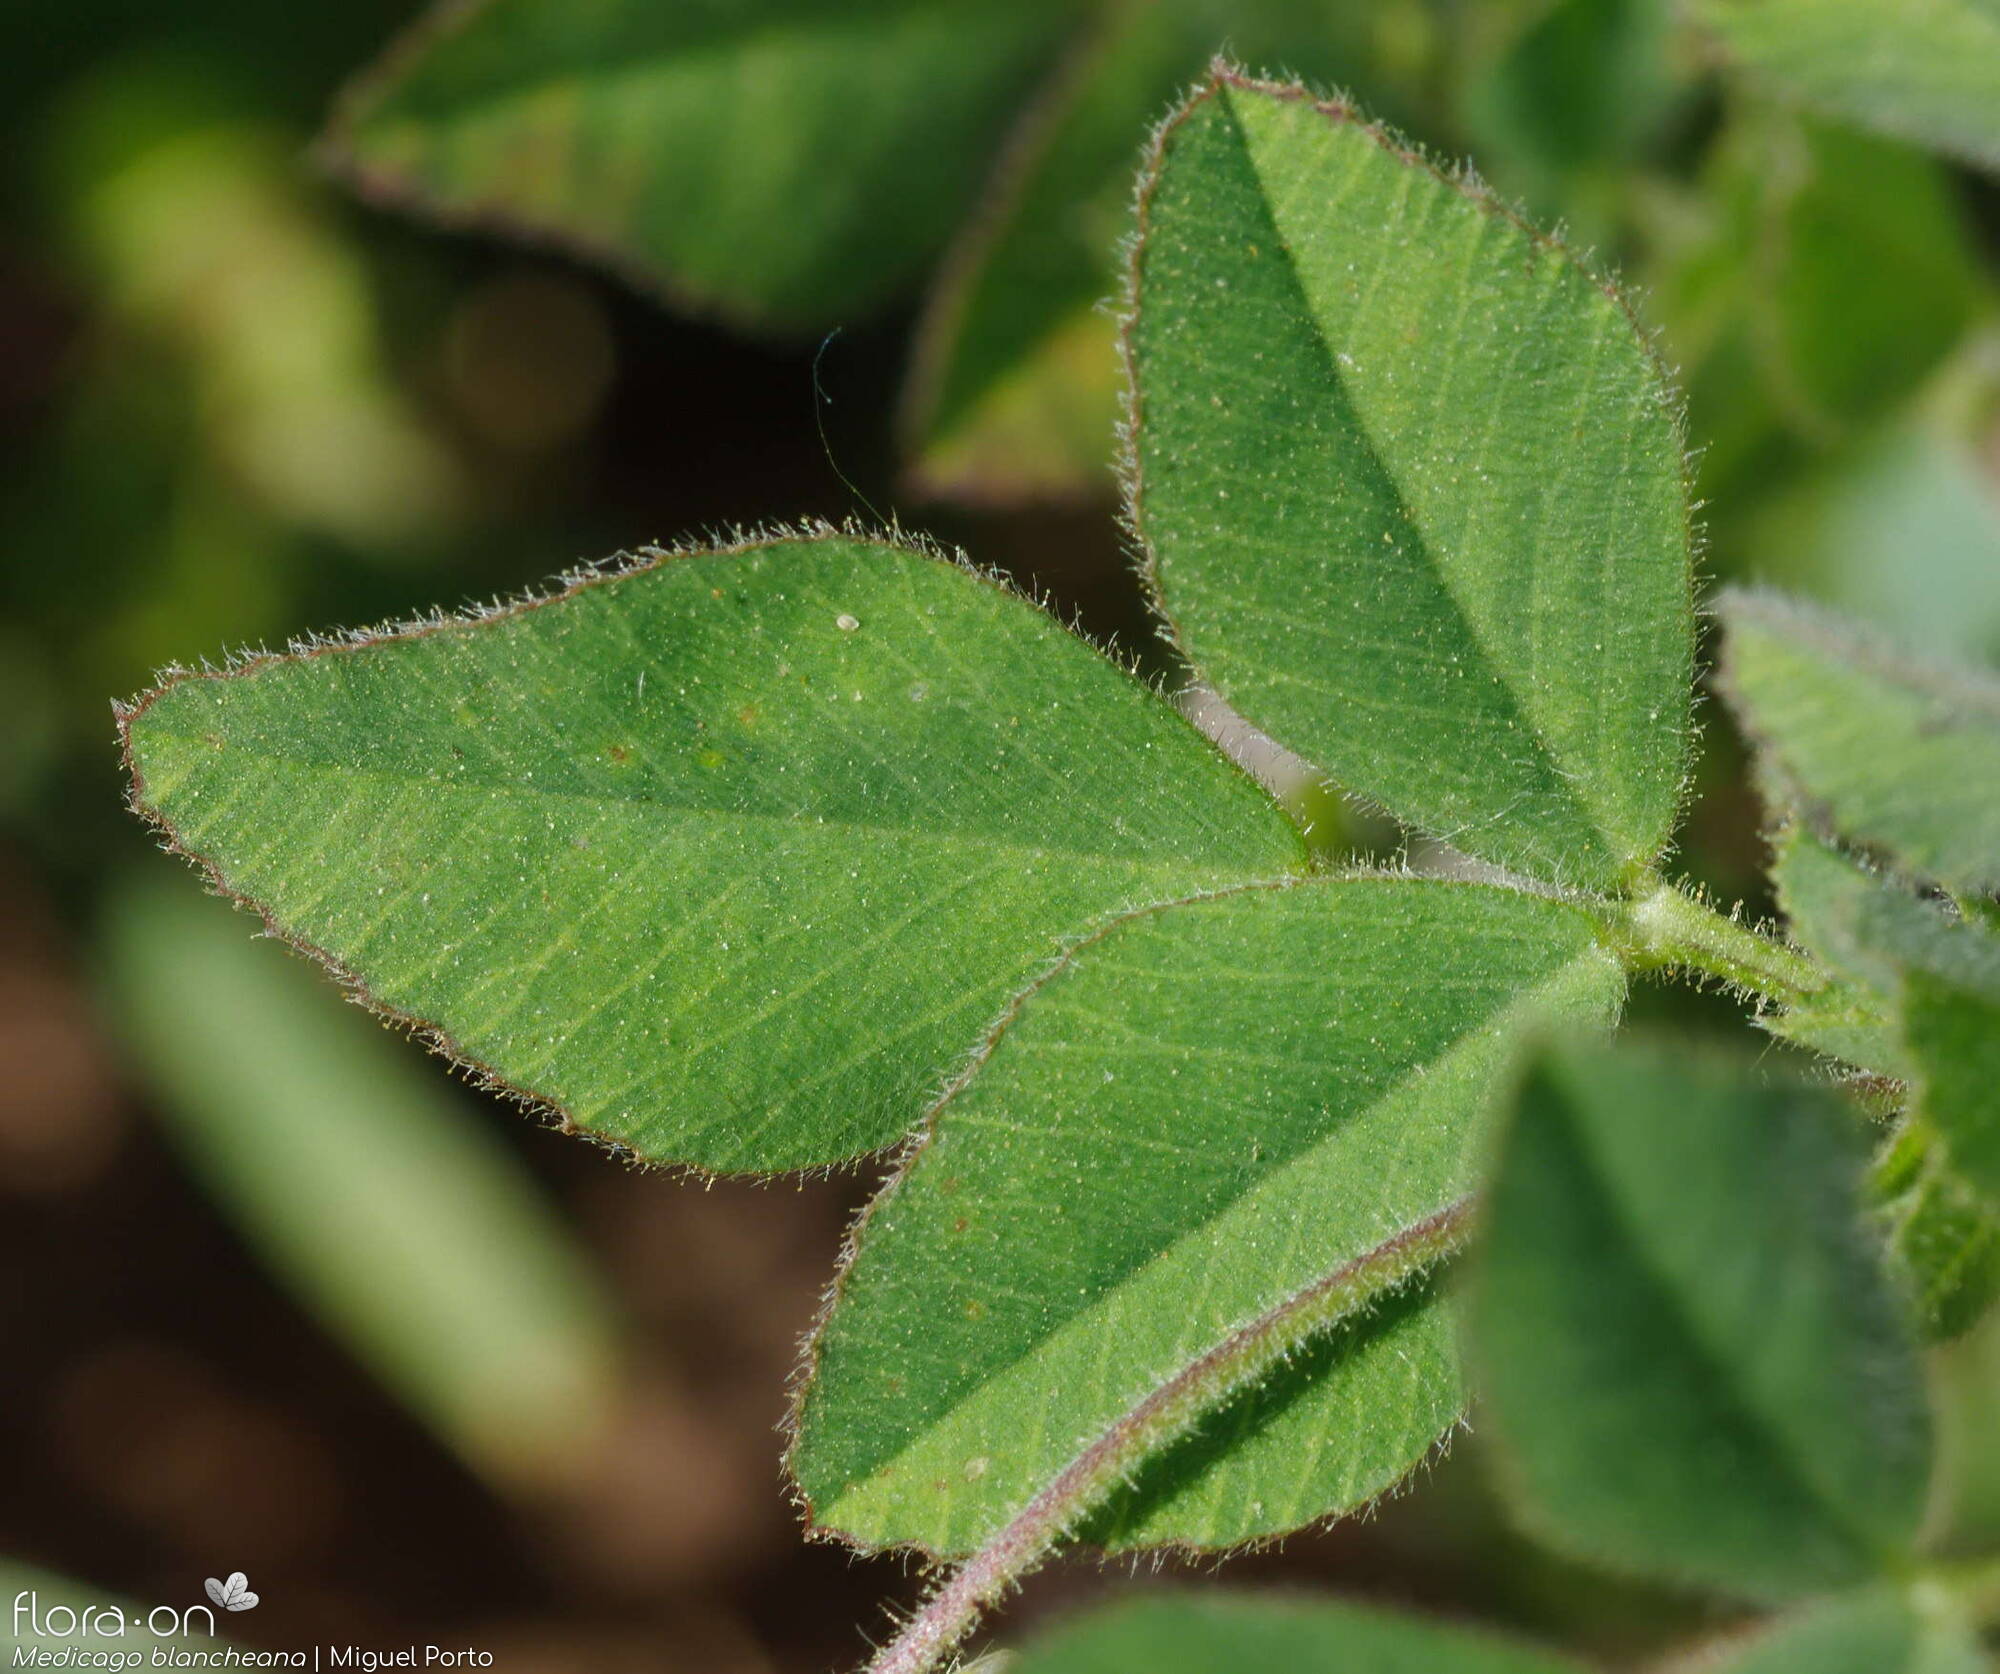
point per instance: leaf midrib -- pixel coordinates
(1550, 763)
(1082, 1323)
(695, 812)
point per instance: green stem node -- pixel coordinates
(1665, 928)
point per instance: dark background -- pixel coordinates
(178, 289)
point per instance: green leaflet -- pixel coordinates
(1944, 1237)
(1842, 1022)
(731, 858)
(406, 1228)
(1917, 994)
(1205, 1110)
(1890, 949)
(784, 161)
(1883, 751)
(1952, 1033)
(1880, 1631)
(1411, 486)
(1871, 929)
(1216, 1633)
(1692, 1360)
(1927, 70)
(1839, 912)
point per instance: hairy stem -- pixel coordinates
(1665, 927)
(1161, 1419)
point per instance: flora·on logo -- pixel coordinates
(65, 1621)
(233, 1594)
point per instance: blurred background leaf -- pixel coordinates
(1925, 69)
(1944, 1237)
(1014, 385)
(1881, 1631)
(402, 1224)
(1569, 96)
(1219, 1633)
(1694, 1362)
(779, 161)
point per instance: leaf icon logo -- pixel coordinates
(233, 1594)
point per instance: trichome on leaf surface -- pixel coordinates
(770, 855)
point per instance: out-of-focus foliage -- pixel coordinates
(1582, 109)
(1794, 341)
(1900, 525)
(1015, 382)
(1566, 97)
(1944, 1236)
(1928, 70)
(1952, 1030)
(786, 162)
(1911, 981)
(203, 249)
(408, 1228)
(1878, 1632)
(1207, 1635)
(792, 164)
(1887, 750)
(1695, 1362)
